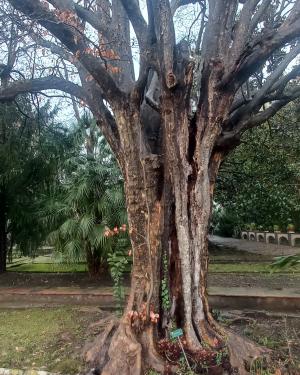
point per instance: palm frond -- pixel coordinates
(86, 224)
(286, 261)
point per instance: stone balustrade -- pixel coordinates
(279, 238)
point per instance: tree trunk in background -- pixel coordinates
(3, 236)
(10, 249)
(93, 263)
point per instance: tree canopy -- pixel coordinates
(88, 50)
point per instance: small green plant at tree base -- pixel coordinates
(217, 314)
(268, 342)
(260, 367)
(165, 295)
(184, 368)
(117, 263)
(219, 358)
(152, 372)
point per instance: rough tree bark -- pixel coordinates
(170, 129)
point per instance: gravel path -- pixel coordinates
(254, 247)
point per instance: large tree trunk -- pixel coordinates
(3, 236)
(169, 199)
(169, 204)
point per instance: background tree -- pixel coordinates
(259, 182)
(170, 127)
(31, 148)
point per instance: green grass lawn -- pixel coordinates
(50, 338)
(250, 268)
(48, 267)
(213, 267)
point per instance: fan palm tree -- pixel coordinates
(87, 212)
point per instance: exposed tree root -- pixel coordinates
(95, 353)
(125, 353)
(119, 350)
(243, 352)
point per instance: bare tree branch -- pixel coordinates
(85, 14)
(259, 13)
(72, 41)
(228, 55)
(228, 140)
(137, 20)
(55, 48)
(175, 4)
(241, 29)
(263, 116)
(216, 38)
(257, 52)
(39, 84)
(201, 30)
(166, 39)
(122, 44)
(93, 19)
(62, 4)
(285, 79)
(274, 76)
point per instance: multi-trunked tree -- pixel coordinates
(170, 128)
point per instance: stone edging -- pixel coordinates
(5, 371)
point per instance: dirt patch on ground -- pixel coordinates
(277, 332)
(52, 280)
(82, 280)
